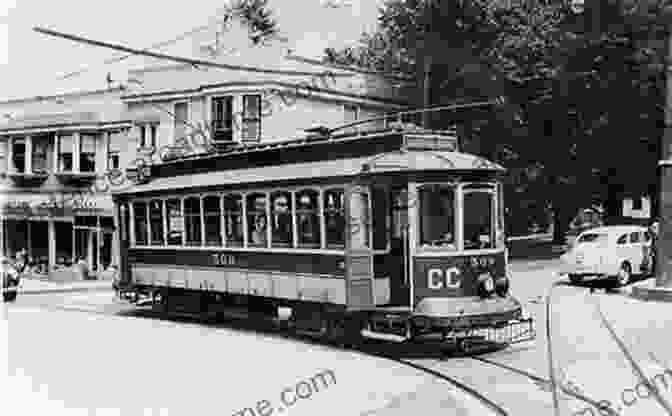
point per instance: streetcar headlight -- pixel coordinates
(502, 286)
(486, 285)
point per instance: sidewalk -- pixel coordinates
(31, 286)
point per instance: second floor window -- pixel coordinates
(251, 117)
(19, 154)
(350, 115)
(87, 153)
(148, 135)
(40, 162)
(181, 117)
(65, 150)
(222, 118)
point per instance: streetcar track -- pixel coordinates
(191, 320)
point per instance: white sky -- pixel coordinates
(30, 62)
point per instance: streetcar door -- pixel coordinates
(358, 251)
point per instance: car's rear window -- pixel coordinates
(592, 238)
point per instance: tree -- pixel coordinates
(559, 72)
(257, 16)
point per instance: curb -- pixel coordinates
(66, 290)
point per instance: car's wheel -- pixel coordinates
(9, 296)
(575, 278)
(624, 274)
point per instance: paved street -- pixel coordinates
(118, 359)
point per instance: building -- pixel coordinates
(637, 207)
(55, 151)
(61, 155)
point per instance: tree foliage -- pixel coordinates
(585, 92)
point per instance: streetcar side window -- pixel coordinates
(307, 219)
(256, 220)
(212, 213)
(479, 220)
(437, 216)
(281, 219)
(192, 220)
(334, 218)
(140, 223)
(175, 222)
(233, 220)
(156, 222)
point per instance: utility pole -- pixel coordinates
(662, 289)
(664, 246)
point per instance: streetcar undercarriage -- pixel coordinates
(468, 333)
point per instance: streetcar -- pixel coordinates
(391, 233)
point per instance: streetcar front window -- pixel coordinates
(479, 224)
(437, 216)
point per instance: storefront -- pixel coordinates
(58, 230)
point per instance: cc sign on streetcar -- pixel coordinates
(448, 278)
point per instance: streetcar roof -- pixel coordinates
(396, 161)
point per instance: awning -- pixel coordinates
(45, 206)
(388, 162)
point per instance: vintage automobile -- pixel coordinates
(614, 252)
(9, 276)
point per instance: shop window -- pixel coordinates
(307, 219)
(222, 118)
(65, 152)
(140, 223)
(256, 220)
(281, 219)
(156, 222)
(87, 153)
(175, 226)
(233, 220)
(19, 154)
(192, 218)
(251, 117)
(213, 220)
(334, 218)
(437, 216)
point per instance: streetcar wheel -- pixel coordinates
(345, 331)
(575, 278)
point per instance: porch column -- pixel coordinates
(75, 152)
(51, 231)
(89, 248)
(29, 154)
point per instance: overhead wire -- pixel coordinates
(191, 61)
